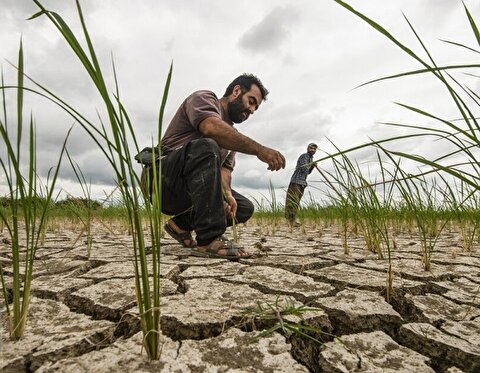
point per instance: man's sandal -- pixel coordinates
(233, 251)
(184, 238)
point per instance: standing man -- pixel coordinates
(298, 182)
(198, 158)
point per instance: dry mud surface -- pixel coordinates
(83, 316)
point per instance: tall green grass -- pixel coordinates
(267, 210)
(466, 201)
(116, 142)
(420, 199)
(26, 207)
(461, 134)
(84, 210)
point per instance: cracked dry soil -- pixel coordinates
(83, 316)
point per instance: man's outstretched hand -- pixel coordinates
(273, 158)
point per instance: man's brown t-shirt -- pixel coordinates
(183, 127)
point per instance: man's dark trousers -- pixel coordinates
(192, 191)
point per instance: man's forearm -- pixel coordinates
(226, 180)
(229, 138)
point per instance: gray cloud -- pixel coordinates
(307, 56)
(271, 32)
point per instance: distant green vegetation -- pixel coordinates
(310, 212)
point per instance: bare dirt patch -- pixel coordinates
(83, 316)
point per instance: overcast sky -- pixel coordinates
(310, 54)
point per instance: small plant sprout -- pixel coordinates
(280, 314)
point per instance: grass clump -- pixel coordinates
(286, 315)
(115, 143)
(25, 209)
(459, 136)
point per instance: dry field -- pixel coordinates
(83, 316)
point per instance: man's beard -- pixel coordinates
(237, 111)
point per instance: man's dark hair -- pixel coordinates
(245, 81)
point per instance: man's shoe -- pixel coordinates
(231, 250)
(184, 238)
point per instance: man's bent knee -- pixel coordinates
(204, 145)
(245, 211)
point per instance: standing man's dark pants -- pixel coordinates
(292, 202)
(192, 191)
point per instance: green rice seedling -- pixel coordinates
(274, 207)
(235, 230)
(83, 211)
(282, 314)
(374, 210)
(471, 220)
(461, 160)
(469, 230)
(340, 191)
(260, 209)
(459, 135)
(234, 221)
(419, 197)
(361, 201)
(382, 205)
(465, 203)
(371, 218)
(267, 210)
(26, 206)
(115, 144)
